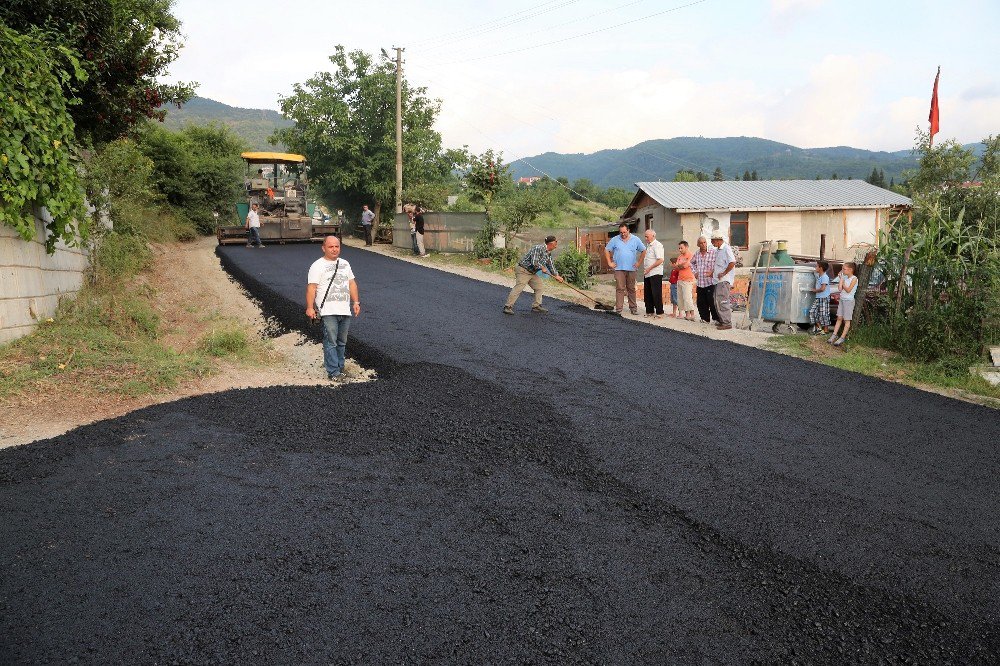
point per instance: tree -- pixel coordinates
(753, 175)
(717, 175)
(583, 188)
(124, 48)
(488, 176)
(38, 155)
(345, 126)
(746, 176)
(198, 170)
(517, 209)
(615, 197)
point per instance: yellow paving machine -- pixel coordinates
(278, 184)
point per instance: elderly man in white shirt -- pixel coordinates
(724, 274)
(652, 276)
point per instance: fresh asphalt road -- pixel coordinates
(571, 487)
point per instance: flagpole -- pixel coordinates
(934, 116)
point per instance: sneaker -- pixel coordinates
(508, 310)
(830, 340)
(333, 376)
(635, 313)
(249, 245)
(840, 342)
(539, 309)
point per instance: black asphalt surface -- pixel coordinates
(570, 488)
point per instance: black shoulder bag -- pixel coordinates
(319, 317)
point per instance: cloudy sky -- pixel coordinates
(582, 75)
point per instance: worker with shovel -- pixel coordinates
(538, 259)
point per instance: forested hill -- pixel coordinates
(660, 159)
(254, 126)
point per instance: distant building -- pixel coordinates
(849, 212)
(528, 180)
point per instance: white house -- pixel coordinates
(845, 214)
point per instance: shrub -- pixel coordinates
(120, 256)
(574, 266)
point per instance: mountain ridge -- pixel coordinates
(660, 159)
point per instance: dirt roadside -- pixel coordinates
(193, 294)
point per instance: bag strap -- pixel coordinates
(336, 268)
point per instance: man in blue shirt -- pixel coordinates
(624, 254)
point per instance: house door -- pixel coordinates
(649, 221)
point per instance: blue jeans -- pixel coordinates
(254, 237)
(335, 328)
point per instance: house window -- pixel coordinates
(739, 230)
(649, 221)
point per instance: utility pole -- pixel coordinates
(399, 128)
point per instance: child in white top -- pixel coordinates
(845, 311)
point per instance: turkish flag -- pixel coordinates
(933, 117)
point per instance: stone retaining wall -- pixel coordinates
(32, 282)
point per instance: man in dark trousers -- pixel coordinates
(703, 265)
(366, 222)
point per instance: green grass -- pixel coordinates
(225, 342)
(875, 362)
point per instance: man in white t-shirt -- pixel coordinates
(724, 275)
(332, 295)
(652, 276)
(253, 227)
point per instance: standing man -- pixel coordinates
(418, 228)
(652, 275)
(332, 296)
(686, 282)
(538, 258)
(366, 221)
(703, 264)
(724, 275)
(253, 227)
(625, 253)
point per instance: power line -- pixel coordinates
(444, 43)
(566, 39)
(530, 124)
(558, 25)
(665, 158)
(492, 22)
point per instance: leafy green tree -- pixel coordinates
(753, 175)
(517, 209)
(685, 176)
(615, 197)
(717, 175)
(583, 189)
(488, 177)
(38, 156)
(345, 126)
(198, 170)
(124, 47)
(746, 176)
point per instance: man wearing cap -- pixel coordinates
(624, 254)
(723, 275)
(538, 258)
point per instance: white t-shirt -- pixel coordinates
(338, 302)
(848, 294)
(654, 251)
(253, 220)
(723, 257)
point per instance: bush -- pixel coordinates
(482, 247)
(574, 266)
(120, 256)
(224, 342)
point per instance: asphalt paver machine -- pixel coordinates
(279, 185)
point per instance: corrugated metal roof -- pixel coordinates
(741, 194)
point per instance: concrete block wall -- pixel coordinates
(32, 282)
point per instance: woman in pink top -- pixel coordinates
(685, 282)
